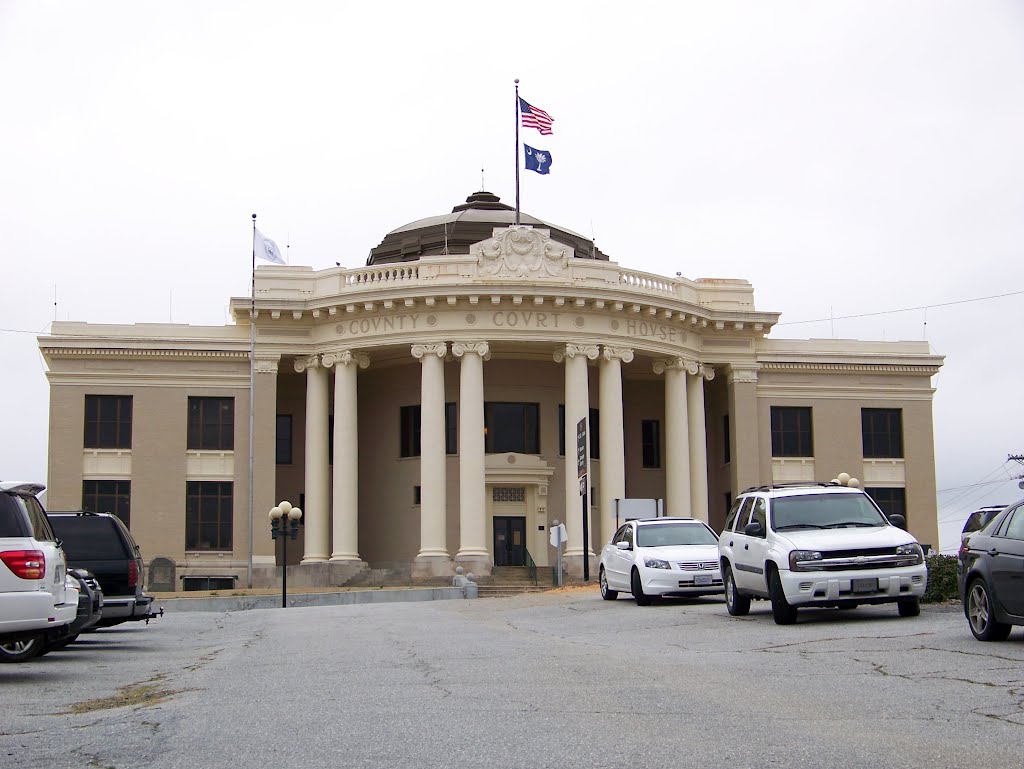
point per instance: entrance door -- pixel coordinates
(509, 541)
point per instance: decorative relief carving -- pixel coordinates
(623, 354)
(312, 361)
(483, 349)
(521, 252)
(345, 358)
(588, 351)
(440, 349)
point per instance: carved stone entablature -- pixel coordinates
(421, 351)
(345, 358)
(483, 349)
(623, 354)
(687, 365)
(521, 252)
(742, 374)
(588, 351)
(266, 364)
(312, 361)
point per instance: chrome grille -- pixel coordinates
(697, 565)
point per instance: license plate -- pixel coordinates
(702, 579)
(865, 585)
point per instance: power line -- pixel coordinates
(902, 309)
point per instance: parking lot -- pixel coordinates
(561, 679)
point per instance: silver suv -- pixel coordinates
(825, 545)
(36, 606)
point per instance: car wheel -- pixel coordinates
(782, 612)
(641, 598)
(606, 592)
(738, 605)
(25, 649)
(979, 614)
(909, 607)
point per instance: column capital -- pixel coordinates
(303, 363)
(588, 351)
(483, 349)
(266, 364)
(707, 371)
(422, 351)
(687, 365)
(742, 373)
(624, 354)
(345, 358)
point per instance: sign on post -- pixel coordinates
(581, 471)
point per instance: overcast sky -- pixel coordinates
(848, 158)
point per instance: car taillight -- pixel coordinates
(133, 573)
(26, 564)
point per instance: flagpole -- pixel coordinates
(252, 392)
(517, 152)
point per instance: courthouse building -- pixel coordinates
(423, 410)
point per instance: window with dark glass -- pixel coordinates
(593, 427)
(726, 442)
(409, 430)
(209, 508)
(108, 497)
(108, 421)
(791, 431)
(893, 501)
(650, 436)
(284, 439)
(882, 431)
(512, 427)
(211, 424)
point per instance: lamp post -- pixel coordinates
(285, 529)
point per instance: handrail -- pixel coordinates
(531, 566)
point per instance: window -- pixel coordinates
(512, 427)
(892, 501)
(593, 428)
(208, 511)
(650, 430)
(726, 445)
(211, 424)
(1015, 528)
(882, 431)
(108, 497)
(417, 494)
(409, 430)
(108, 421)
(791, 431)
(284, 439)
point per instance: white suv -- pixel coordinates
(817, 545)
(36, 606)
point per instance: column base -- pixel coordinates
(573, 567)
(477, 564)
(431, 566)
(323, 573)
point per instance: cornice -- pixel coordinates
(122, 352)
(895, 369)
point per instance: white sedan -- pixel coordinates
(661, 556)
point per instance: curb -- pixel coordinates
(251, 602)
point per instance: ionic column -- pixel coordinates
(698, 441)
(677, 445)
(612, 442)
(473, 554)
(577, 407)
(317, 545)
(345, 513)
(433, 559)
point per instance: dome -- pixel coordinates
(468, 223)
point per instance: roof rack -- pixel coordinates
(790, 485)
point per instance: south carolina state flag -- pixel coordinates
(537, 160)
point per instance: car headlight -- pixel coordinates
(804, 560)
(656, 563)
(911, 554)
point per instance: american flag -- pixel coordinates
(535, 117)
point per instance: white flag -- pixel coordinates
(266, 248)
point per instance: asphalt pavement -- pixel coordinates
(560, 679)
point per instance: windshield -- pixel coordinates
(824, 511)
(668, 534)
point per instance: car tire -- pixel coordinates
(909, 607)
(737, 605)
(978, 608)
(641, 598)
(782, 612)
(23, 650)
(606, 592)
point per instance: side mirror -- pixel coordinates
(754, 529)
(623, 545)
(898, 521)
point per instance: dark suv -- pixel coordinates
(101, 543)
